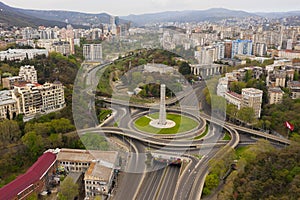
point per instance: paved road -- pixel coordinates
(133, 175)
(152, 182)
(187, 181)
(168, 185)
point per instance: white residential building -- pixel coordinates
(234, 98)
(222, 87)
(92, 52)
(8, 105)
(252, 98)
(28, 73)
(241, 47)
(21, 54)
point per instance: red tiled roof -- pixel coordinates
(33, 174)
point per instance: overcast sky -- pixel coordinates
(126, 7)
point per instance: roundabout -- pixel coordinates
(175, 124)
(162, 122)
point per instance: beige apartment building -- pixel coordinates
(275, 95)
(294, 87)
(52, 96)
(33, 98)
(10, 81)
(28, 97)
(252, 98)
(97, 166)
(8, 105)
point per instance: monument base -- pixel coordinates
(155, 123)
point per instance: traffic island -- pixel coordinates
(175, 124)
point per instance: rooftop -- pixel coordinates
(234, 94)
(6, 97)
(252, 90)
(33, 174)
(86, 155)
(13, 78)
(294, 84)
(98, 172)
(275, 90)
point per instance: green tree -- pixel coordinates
(94, 141)
(9, 131)
(43, 129)
(248, 75)
(68, 189)
(237, 87)
(62, 125)
(137, 78)
(54, 141)
(34, 143)
(33, 196)
(142, 61)
(231, 111)
(246, 115)
(211, 181)
(184, 68)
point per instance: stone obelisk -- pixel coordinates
(162, 107)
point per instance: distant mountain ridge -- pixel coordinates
(213, 14)
(69, 16)
(28, 17)
(278, 14)
(13, 17)
(186, 16)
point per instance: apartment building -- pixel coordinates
(234, 98)
(28, 74)
(275, 95)
(9, 82)
(52, 96)
(28, 97)
(294, 87)
(92, 52)
(97, 166)
(222, 87)
(33, 98)
(241, 47)
(8, 105)
(252, 98)
(21, 54)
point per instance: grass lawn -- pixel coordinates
(227, 136)
(240, 151)
(104, 114)
(197, 156)
(203, 134)
(183, 124)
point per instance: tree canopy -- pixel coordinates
(68, 189)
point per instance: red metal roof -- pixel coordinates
(235, 94)
(33, 174)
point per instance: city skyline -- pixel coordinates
(153, 6)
